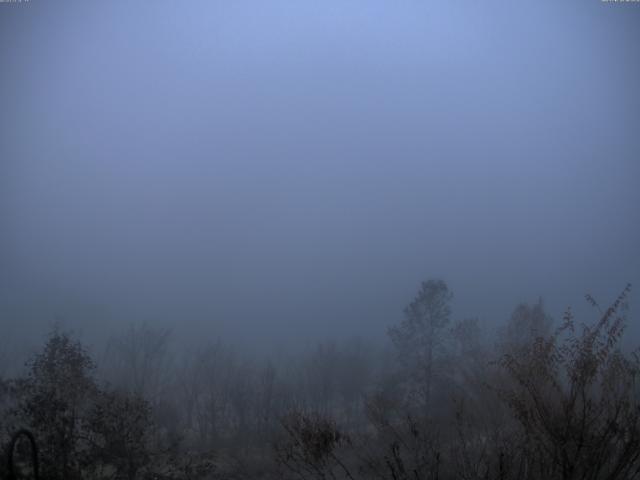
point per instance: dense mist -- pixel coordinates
(290, 170)
(273, 179)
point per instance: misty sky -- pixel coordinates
(269, 170)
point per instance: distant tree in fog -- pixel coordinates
(322, 375)
(469, 357)
(527, 322)
(420, 337)
(139, 361)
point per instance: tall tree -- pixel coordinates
(419, 338)
(56, 396)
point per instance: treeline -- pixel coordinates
(539, 400)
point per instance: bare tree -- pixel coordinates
(139, 361)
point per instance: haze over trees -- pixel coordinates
(542, 400)
(420, 338)
(319, 240)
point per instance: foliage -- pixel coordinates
(54, 400)
(574, 396)
(554, 404)
(118, 427)
(311, 448)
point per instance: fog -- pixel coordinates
(282, 172)
(336, 239)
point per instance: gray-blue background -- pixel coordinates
(269, 171)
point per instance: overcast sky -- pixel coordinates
(273, 170)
